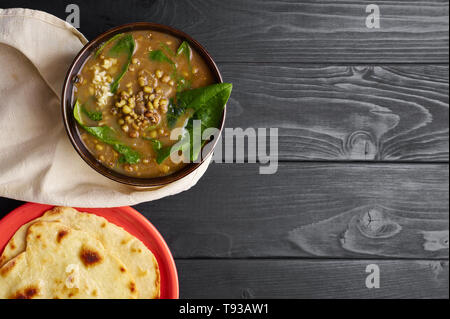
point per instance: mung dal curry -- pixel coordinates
(134, 90)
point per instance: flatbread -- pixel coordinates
(61, 262)
(132, 252)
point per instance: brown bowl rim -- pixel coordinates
(67, 101)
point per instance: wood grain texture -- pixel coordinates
(311, 279)
(312, 210)
(383, 113)
(282, 31)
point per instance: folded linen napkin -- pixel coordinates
(37, 161)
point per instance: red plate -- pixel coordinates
(125, 217)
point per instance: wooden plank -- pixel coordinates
(310, 210)
(286, 31)
(313, 210)
(382, 113)
(311, 279)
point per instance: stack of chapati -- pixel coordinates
(68, 254)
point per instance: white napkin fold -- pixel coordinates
(37, 161)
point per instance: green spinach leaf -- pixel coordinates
(107, 135)
(103, 133)
(77, 113)
(93, 115)
(158, 55)
(128, 155)
(100, 49)
(167, 49)
(165, 152)
(157, 145)
(208, 104)
(124, 45)
(173, 113)
(185, 49)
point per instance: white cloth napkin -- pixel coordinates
(37, 161)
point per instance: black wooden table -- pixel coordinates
(363, 148)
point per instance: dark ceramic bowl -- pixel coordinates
(68, 102)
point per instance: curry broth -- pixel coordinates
(146, 118)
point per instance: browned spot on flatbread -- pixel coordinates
(38, 236)
(122, 269)
(125, 240)
(94, 293)
(132, 287)
(2, 259)
(12, 245)
(61, 234)
(55, 211)
(27, 293)
(72, 294)
(7, 268)
(90, 257)
(103, 225)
